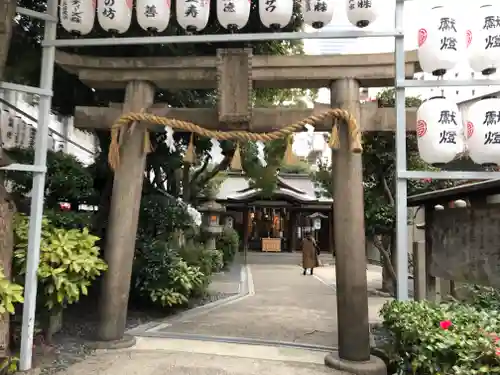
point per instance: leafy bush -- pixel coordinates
(217, 260)
(163, 277)
(446, 339)
(68, 180)
(69, 219)
(159, 217)
(10, 293)
(208, 261)
(69, 261)
(482, 297)
(9, 365)
(228, 242)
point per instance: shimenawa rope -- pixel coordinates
(338, 115)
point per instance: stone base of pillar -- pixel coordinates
(375, 366)
(125, 342)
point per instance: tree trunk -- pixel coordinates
(385, 245)
(387, 281)
(7, 209)
(7, 13)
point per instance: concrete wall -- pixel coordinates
(67, 138)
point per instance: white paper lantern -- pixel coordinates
(233, 14)
(439, 131)
(317, 13)
(192, 15)
(361, 13)
(114, 15)
(483, 40)
(441, 43)
(77, 16)
(275, 14)
(153, 15)
(483, 131)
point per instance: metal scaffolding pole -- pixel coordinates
(401, 182)
(37, 195)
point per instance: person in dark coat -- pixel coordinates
(309, 254)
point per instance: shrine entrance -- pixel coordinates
(233, 73)
(277, 222)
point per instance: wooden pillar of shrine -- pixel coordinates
(293, 225)
(246, 229)
(348, 216)
(123, 220)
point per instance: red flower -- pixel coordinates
(445, 324)
(427, 180)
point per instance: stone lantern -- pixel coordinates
(211, 211)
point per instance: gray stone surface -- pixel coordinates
(159, 362)
(287, 306)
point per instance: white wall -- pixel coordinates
(64, 136)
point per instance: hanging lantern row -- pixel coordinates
(442, 135)
(78, 16)
(443, 41)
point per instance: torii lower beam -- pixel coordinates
(263, 119)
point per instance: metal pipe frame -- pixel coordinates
(37, 193)
(446, 83)
(341, 34)
(25, 168)
(401, 183)
(24, 88)
(448, 175)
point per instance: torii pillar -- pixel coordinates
(123, 220)
(349, 232)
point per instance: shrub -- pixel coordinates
(159, 217)
(10, 293)
(163, 277)
(69, 219)
(445, 339)
(195, 254)
(482, 297)
(69, 261)
(217, 259)
(228, 242)
(67, 180)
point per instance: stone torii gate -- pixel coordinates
(234, 73)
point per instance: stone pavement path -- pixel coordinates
(286, 306)
(161, 362)
(283, 306)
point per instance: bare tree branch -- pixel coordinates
(385, 256)
(222, 166)
(387, 191)
(200, 170)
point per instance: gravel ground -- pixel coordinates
(69, 345)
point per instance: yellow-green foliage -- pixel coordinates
(69, 261)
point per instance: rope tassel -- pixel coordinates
(343, 117)
(236, 161)
(334, 138)
(190, 157)
(289, 157)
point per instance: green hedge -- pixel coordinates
(442, 339)
(229, 243)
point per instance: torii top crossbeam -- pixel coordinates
(200, 72)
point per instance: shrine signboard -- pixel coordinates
(466, 245)
(16, 132)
